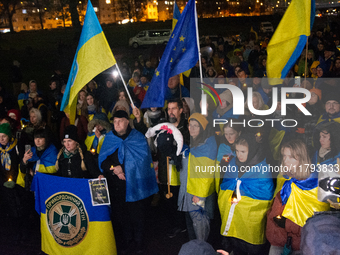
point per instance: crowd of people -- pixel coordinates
(112, 137)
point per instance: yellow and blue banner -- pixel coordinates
(93, 56)
(289, 38)
(295, 193)
(201, 181)
(70, 224)
(180, 54)
(248, 220)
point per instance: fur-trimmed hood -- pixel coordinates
(99, 119)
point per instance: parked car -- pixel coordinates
(266, 27)
(149, 37)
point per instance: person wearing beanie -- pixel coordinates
(73, 160)
(126, 162)
(312, 69)
(225, 111)
(331, 99)
(40, 158)
(9, 206)
(98, 127)
(196, 195)
(244, 197)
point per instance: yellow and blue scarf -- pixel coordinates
(5, 157)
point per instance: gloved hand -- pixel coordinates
(281, 222)
(9, 184)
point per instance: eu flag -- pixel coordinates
(93, 56)
(180, 54)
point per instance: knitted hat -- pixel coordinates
(317, 92)
(15, 112)
(331, 95)
(99, 119)
(120, 114)
(71, 132)
(314, 65)
(6, 129)
(200, 118)
(197, 247)
(121, 103)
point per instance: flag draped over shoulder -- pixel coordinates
(70, 224)
(289, 39)
(180, 54)
(93, 56)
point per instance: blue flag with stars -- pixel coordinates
(180, 54)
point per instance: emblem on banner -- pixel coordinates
(67, 218)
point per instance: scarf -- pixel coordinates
(69, 154)
(91, 108)
(5, 157)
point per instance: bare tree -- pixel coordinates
(8, 8)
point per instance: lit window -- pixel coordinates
(108, 1)
(24, 11)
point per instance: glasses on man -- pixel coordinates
(332, 103)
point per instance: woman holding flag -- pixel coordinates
(196, 194)
(295, 202)
(245, 196)
(40, 158)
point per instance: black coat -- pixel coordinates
(74, 165)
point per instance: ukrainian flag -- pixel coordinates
(295, 193)
(93, 56)
(70, 224)
(176, 15)
(248, 220)
(290, 37)
(201, 169)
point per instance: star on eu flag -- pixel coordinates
(181, 39)
(157, 73)
(175, 48)
(171, 60)
(184, 49)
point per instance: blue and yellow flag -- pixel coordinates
(70, 224)
(93, 56)
(176, 15)
(289, 38)
(181, 54)
(295, 193)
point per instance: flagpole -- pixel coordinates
(198, 47)
(204, 96)
(306, 60)
(127, 91)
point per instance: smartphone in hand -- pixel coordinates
(27, 147)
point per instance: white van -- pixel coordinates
(148, 37)
(266, 27)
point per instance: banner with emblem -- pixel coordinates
(70, 224)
